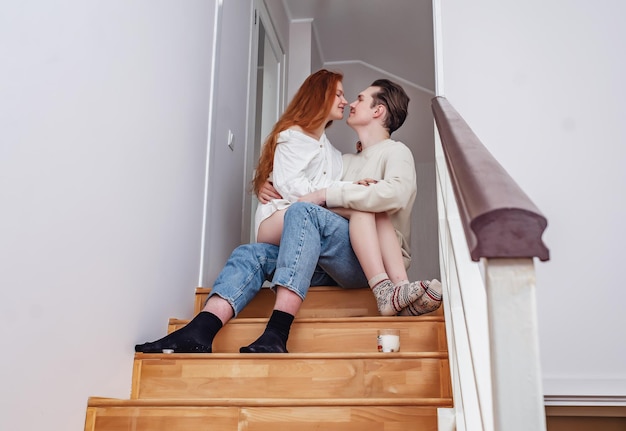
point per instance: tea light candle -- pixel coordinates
(389, 340)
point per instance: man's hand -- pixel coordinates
(267, 192)
(318, 197)
(366, 181)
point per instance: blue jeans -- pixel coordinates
(315, 250)
(315, 238)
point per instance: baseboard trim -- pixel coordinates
(585, 406)
(585, 401)
(586, 417)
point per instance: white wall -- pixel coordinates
(226, 167)
(103, 134)
(542, 84)
(301, 46)
(280, 21)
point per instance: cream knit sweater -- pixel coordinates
(391, 163)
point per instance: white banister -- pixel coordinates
(490, 232)
(465, 308)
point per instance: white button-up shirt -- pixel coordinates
(302, 165)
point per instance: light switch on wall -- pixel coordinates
(231, 138)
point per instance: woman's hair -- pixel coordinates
(394, 98)
(308, 109)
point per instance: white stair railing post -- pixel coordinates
(516, 369)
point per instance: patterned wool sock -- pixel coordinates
(428, 302)
(390, 298)
(417, 288)
(195, 337)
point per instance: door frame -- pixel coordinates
(255, 122)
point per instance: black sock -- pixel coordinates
(274, 338)
(280, 323)
(195, 337)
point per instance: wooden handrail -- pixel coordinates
(499, 219)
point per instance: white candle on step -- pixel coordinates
(388, 340)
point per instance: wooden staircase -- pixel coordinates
(333, 378)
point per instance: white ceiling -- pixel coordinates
(395, 36)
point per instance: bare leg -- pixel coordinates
(364, 239)
(428, 292)
(220, 307)
(390, 249)
(271, 228)
(287, 301)
(375, 243)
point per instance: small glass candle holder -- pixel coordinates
(388, 340)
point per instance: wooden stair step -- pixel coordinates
(105, 414)
(349, 334)
(333, 379)
(294, 376)
(321, 301)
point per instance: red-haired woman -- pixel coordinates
(297, 157)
